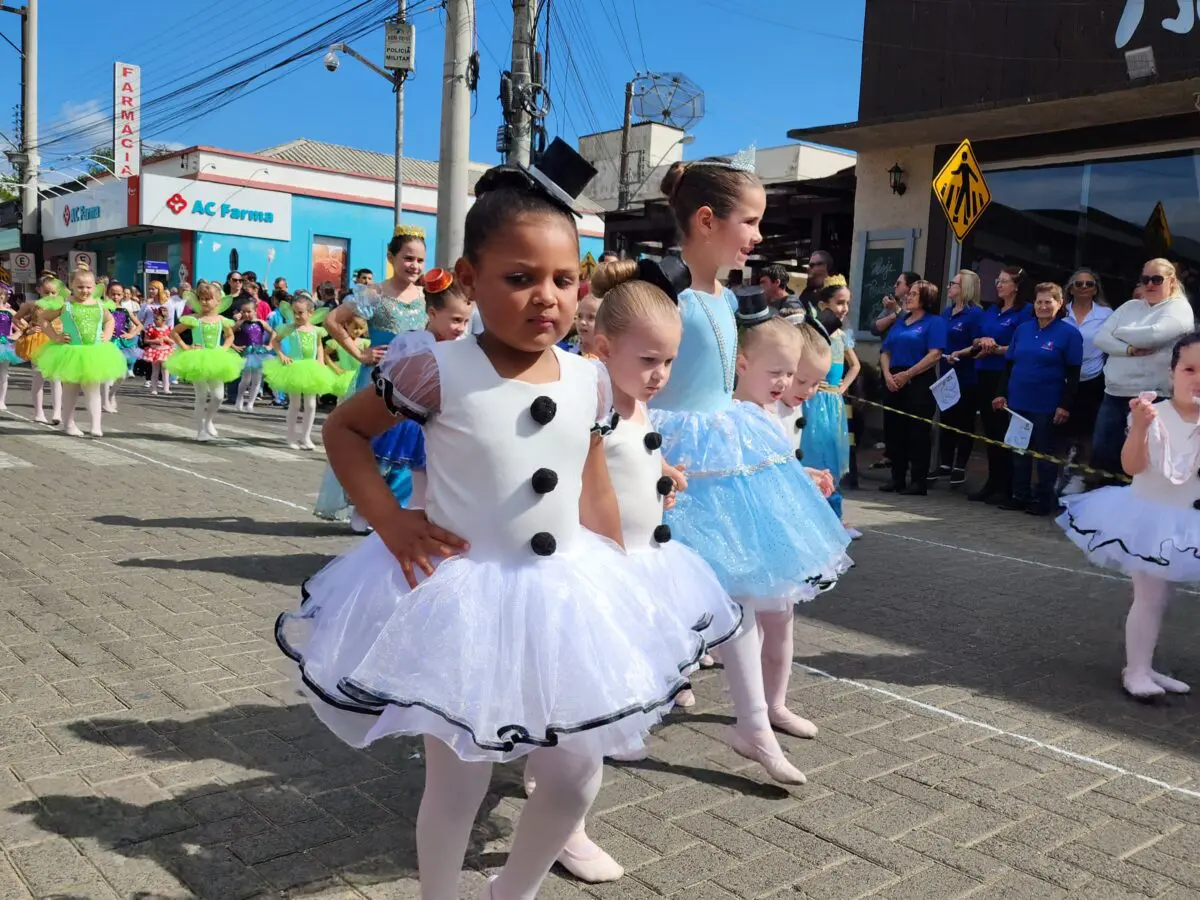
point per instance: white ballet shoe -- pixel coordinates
(56, 420)
(308, 445)
(685, 699)
(203, 436)
(110, 409)
(588, 862)
(1169, 684)
(1141, 686)
(41, 420)
(96, 433)
(211, 429)
(154, 393)
(631, 756)
(3, 407)
(788, 722)
(72, 430)
(293, 445)
(773, 761)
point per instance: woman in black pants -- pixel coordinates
(964, 317)
(909, 360)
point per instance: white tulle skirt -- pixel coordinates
(1120, 530)
(496, 659)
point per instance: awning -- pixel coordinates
(990, 121)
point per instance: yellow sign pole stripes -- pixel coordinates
(962, 191)
(1087, 470)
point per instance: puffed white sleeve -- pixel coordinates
(1177, 460)
(606, 416)
(407, 378)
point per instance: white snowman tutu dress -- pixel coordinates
(542, 634)
(1152, 525)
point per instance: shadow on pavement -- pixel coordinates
(268, 568)
(235, 524)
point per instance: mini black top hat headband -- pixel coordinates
(560, 176)
(753, 308)
(670, 275)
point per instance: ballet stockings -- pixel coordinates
(157, 374)
(94, 401)
(302, 412)
(208, 400)
(37, 387)
(567, 785)
(1150, 598)
(248, 387)
(108, 397)
(3, 385)
(775, 631)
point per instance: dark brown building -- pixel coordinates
(1085, 118)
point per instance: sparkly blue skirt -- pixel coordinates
(129, 349)
(825, 439)
(8, 355)
(254, 356)
(750, 509)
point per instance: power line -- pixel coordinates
(637, 23)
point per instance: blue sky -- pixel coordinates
(786, 64)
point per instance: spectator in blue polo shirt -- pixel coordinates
(1000, 320)
(1039, 383)
(964, 323)
(909, 359)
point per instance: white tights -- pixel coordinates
(3, 385)
(159, 373)
(108, 396)
(248, 388)
(56, 397)
(567, 784)
(209, 395)
(301, 432)
(1151, 596)
(92, 397)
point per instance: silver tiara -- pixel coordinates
(742, 161)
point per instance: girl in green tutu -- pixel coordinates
(83, 356)
(208, 363)
(299, 371)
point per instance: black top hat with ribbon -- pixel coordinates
(560, 176)
(670, 275)
(753, 308)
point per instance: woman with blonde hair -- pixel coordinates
(1138, 338)
(964, 324)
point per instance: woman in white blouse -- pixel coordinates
(1087, 310)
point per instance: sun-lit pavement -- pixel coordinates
(974, 740)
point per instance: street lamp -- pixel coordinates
(396, 79)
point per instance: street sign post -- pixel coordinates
(962, 191)
(399, 44)
(23, 268)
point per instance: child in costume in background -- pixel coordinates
(826, 441)
(158, 346)
(252, 339)
(345, 365)
(83, 357)
(536, 620)
(1150, 529)
(299, 371)
(35, 335)
(126, 330)
(8, 353)
(585, 324)
(209, 363)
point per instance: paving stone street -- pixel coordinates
(965, 677)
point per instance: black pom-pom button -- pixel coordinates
(1196, 504)
(543, 543)
(801, 423)
(662, 533)
(544, 481)
(799, 456)
(652, 440)
(543, 410)
(665, 485)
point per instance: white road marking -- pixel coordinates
(85, 449)
(13, 462)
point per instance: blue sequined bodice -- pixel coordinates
(702, 377)
(393, 317)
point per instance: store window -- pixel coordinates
(1109, 215)
(330, 256)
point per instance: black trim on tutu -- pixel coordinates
(360, 699)
(385, 389)
(1118, 542)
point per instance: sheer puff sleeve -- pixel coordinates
(407, 377)
(606, 416)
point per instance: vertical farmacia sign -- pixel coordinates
(127, 120)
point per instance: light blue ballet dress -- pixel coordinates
(825, 440)
(750, 510)
(402, 447)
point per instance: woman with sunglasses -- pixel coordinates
(1138, 338)
(1087, 310)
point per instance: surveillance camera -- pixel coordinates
(331, 61)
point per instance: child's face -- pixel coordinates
(160, 319)
(733, 239)
(767, 373)
(357, 329)
(451, 321)
(409, 259)
(208, 302)
(810, 372)
(585, 320)
(82, 286)
(1185, 377)
(839, 304)
(639, 360)
(302, 312)
(526, 281)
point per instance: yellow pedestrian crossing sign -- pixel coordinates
(962, 191)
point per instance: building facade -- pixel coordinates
(1085, 119)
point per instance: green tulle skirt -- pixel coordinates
(300, 377)
(202, 365)
(343, 385)
(97, 363)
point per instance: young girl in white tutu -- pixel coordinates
(495, 622)
(1150, 529)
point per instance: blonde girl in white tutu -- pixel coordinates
(1150, 529)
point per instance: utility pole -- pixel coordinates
(523, 42)
(456, 133)
(400, 77)
(29, 139)
(626, 128)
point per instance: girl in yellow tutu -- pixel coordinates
(209, 362)
(299, 371)
(83, 356)
(33, 338)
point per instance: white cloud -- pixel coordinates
(87, 118)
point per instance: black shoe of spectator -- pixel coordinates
(939, 472)
(915, 490)
(1040, 508)
(957, 477)
(891, 488)
(1015, 504)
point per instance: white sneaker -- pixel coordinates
(853, 533)
(1074, 486)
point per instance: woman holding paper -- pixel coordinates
(964, 324)
(909, 359)
(1039, 384)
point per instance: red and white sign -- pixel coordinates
(127, 120)
(76, 258)
(22, 266)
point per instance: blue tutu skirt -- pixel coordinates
(750, 510)
(129, 349)
(254, 357)
(8, 354)
(825, 439)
